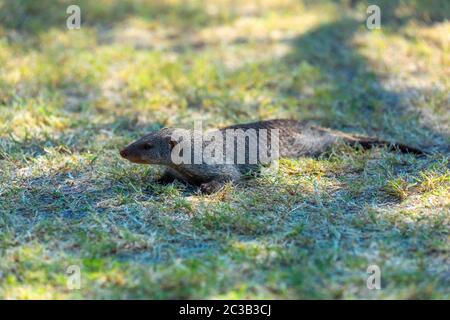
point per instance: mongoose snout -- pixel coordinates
(123, 153)
(132, 154)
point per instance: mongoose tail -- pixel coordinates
(369, 142)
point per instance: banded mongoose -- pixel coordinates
(295, 139)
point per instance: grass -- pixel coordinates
(69, 100)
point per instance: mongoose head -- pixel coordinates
(154, 148)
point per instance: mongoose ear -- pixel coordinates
(172, 142)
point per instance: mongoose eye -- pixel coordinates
(147, 146)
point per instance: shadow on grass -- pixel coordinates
(355, 95)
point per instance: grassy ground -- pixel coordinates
(70, 99)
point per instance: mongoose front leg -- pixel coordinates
(220, 176)
(211, 186)
(166, 178)
(170, 175)
(214, 185)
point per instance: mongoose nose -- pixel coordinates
(123, 153)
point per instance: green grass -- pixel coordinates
(69, 100)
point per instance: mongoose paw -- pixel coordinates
(165, 179)
(210, 187)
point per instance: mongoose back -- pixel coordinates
(294, 139)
